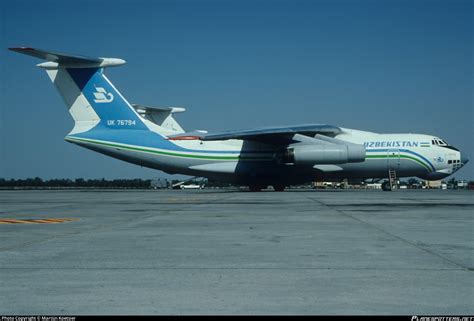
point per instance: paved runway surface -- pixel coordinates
(231, 252)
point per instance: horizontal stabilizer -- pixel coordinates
(161, 116)
(171, 110)
(67, 60)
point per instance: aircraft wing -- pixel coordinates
(268, 133)
(274, 135)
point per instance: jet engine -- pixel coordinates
(322, 150)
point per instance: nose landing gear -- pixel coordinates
(386, 186)
(392, 181)
(279, 188)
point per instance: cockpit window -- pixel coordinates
(439, 142)
(443, 143)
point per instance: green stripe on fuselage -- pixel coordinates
(401, 156)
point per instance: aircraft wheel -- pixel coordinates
(279, 188)
(255, 188)
(386, 186)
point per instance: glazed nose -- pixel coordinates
(464, 158)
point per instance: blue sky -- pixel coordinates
(384, 66)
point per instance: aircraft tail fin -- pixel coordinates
(93, 101)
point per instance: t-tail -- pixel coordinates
(92, 99)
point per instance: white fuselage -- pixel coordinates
(252, 162)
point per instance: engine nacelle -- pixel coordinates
(323, 154)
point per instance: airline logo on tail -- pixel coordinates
(102, 96)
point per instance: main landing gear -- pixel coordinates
(255, 188)
(258, 188)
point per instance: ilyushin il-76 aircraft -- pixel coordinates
(105, 122)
